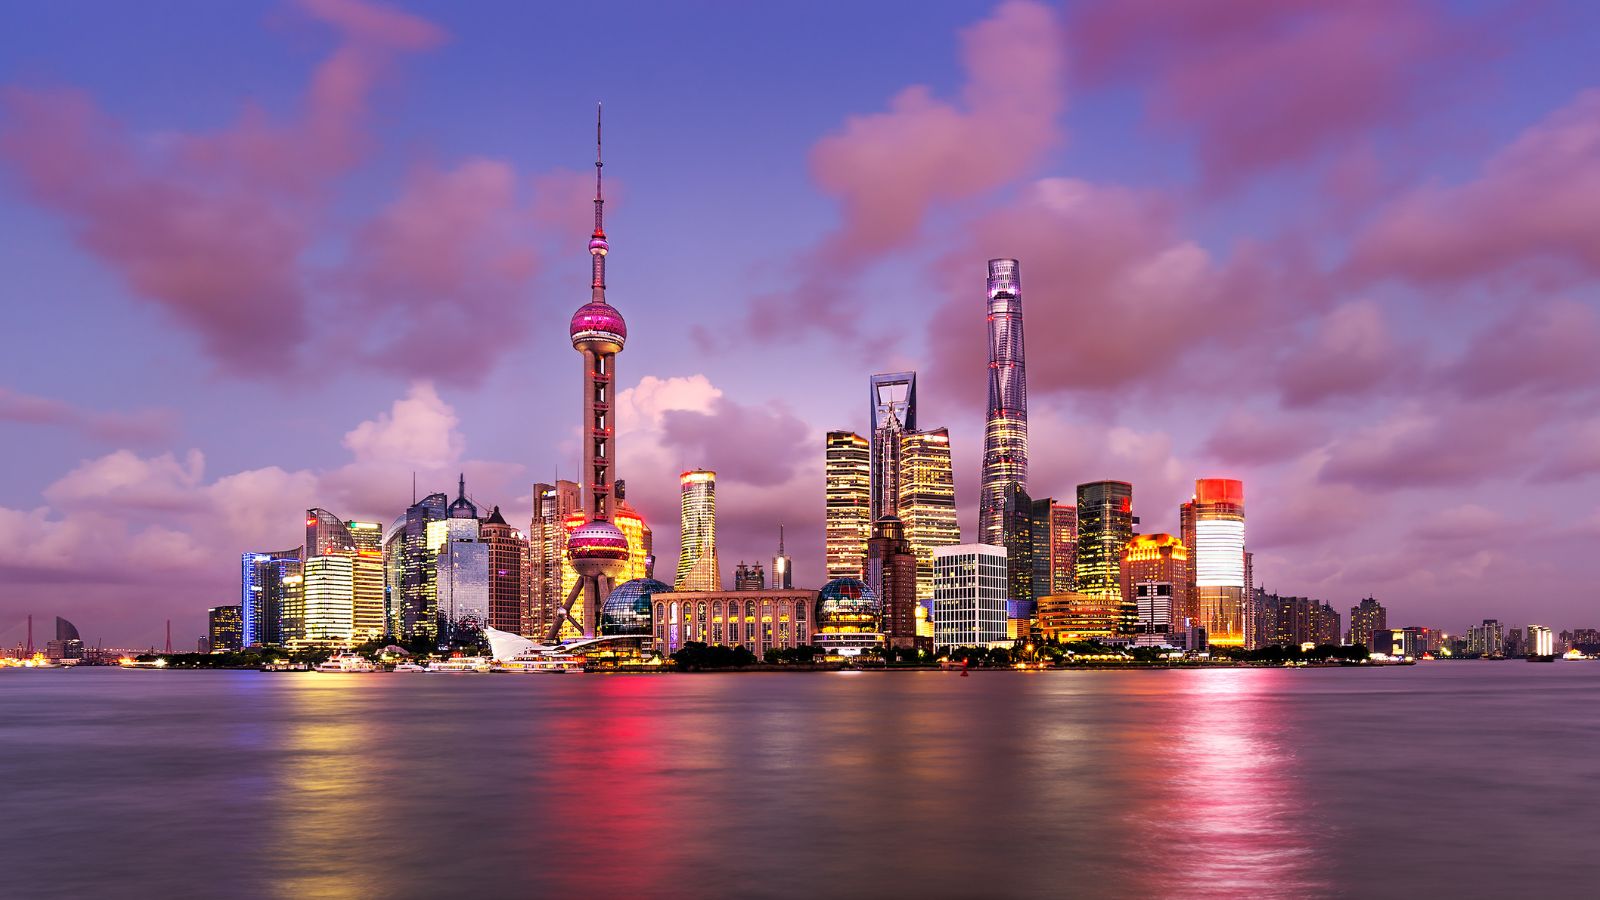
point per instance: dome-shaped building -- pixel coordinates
(626, 611)
(846, 605)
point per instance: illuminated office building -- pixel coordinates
(1153, 600)
(1055, 547)
(1105, 525)
(416, 610)
(369, 590)
(969, 595)
(927, 502)
(1156, 559)
(269, 596)
(1016, 522)
(550, 572)
(848, 497)
(641, 539)
(225, 628)
(892, 411)
(461, 572)
(598, 549)
(698, 569)
(508, 558)
(1218, 559)
(1367, 619)
(1077, 616)
(328, 586)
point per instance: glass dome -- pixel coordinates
(627, 609)
(847, 604)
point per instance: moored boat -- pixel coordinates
(347, 662)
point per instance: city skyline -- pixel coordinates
(176, 443)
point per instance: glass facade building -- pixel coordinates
(969, 595)
(892, 413)
(927, 499)
(329, 586)
(698, 569)
(225, 628)
(1105, 525)
(269, 596)
(1005, 437)
(550, 572)
(847, 479)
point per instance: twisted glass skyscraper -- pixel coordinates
(1005, 437)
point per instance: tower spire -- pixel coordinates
(597, 241)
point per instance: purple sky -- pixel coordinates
(261, 256)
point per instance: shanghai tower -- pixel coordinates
(1005, 436)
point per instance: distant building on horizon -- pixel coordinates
(1292, 621)
(270, 597)
(550, 572)
(749, 577)
(782, 567)
(1486, 640)
(698, 569)
(1005, 437)
(847, 486)
(1367, 619)
(1541, 641)
(225, 628)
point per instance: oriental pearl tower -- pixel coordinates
(598, 549)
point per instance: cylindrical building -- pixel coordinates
(698, 569)
(1005, 436)
(1218, 558)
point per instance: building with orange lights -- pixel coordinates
(1105, 525)
(1157, 559)
(698, 569)
(1216, 517)
(756, 620)
(507, 561)
(1075, 616)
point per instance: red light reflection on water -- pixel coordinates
(1231, 819)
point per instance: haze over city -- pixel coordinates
(263, 257)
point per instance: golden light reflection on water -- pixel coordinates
(327, 797)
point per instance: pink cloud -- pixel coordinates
(1265, 83)
(139, 427)
(442, 272)
(1530, 210)
(1432, 444)
(1245, 439)
(889, 169)
(210, 227)
(1551, 347)
(772, 442)
(1350, 353)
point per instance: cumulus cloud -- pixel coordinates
(1350, 353)
(889, 169)
(1246, 439)
(136, 427)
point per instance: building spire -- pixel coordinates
(597, 241)
(463, 487)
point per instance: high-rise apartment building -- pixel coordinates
(225, 628)
(927, 502)
(1486, 640)
(848, 495)
(1156, 559)
(1367, 618)
(969, 595)
(1005, 437)
(1105, 525)
(1292, 621)
(698, 569)
(892, 411)
(1218, 558)
(550, 572)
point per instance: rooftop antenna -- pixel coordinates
(413, 487)
(30, 634)
(169, 637)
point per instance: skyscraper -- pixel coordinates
(1055, 547)
(891, 573)
(782, 567)
(1017, 528)
(1105, 525)
(508, 554)
(329, 586)
(927, 502)
(224, 628)
(367, 577)
(892, 412)
(269, 596)
(417, 606)
(550, 572)
(698, 569)
(1218, 556)
(1005, 437)
(848, 497)
(598, 549)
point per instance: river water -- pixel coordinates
(1465, 779)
